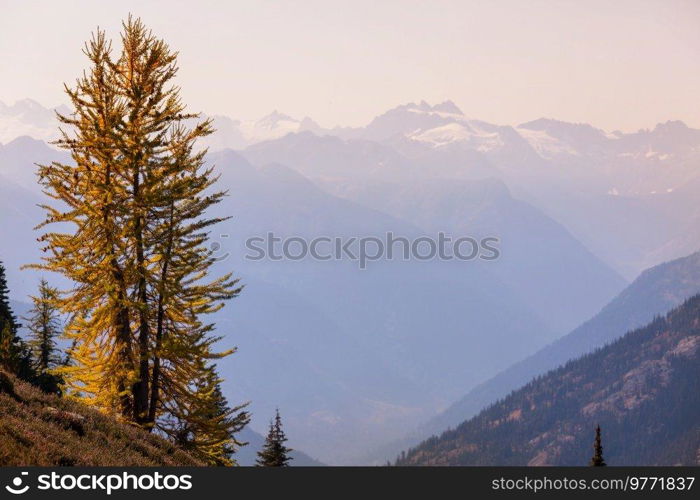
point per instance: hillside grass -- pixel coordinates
(37, 429)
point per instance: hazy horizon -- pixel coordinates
(625, 67)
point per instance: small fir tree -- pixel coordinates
(274, 452)
(597, 460)
(44, 328)
(15, 355)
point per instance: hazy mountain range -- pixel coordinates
(612, 190)
(358, 359)
(302, 327)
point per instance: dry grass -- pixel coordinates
(37, 429)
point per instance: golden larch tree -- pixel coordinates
(132, 238)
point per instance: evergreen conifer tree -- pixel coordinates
(44, 328)
(274, 452)
(8, 324)
(597, 459)
(15, 355)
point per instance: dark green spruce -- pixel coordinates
(274, 452)
(597, 459)
(44, 328)
(15, 355)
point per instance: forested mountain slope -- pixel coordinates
(643, 389)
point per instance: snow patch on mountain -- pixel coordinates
(474, 137)
(544, 144)
(274, 126)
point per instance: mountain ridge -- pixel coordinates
(28, 117)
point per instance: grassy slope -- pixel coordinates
(41, 430)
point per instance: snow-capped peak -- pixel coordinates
(22, 106)
(274, 119)
(448, 107)
(272, 126)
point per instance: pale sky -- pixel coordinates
(615, 64)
